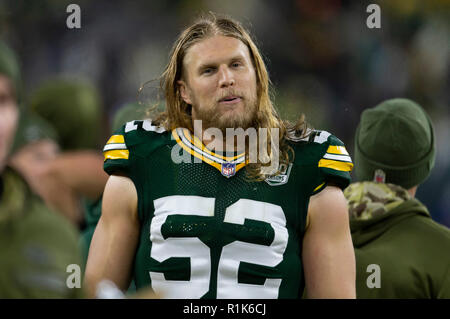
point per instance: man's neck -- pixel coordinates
(412, 191)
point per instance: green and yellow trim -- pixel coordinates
(334, 149)
(319, 187)
(116, 154)
(336, 165)
(116, 139)
(196, 148)
(116, 148)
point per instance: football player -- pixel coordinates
(213, 225)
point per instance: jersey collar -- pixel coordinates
(227, 165)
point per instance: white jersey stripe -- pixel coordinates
(337, 157)
(114, 146)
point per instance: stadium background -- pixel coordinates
(323, 59)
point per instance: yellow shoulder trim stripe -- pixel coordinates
(116, 139)
(116, 154)
(333, 149)
(318, 187)
(337, 165)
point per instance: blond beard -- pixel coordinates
(212, 119)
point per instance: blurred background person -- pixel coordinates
(75, 179)
(35, 147)
(126, 113)
(129, 112)
(391, 229)
(10, 83)
(36, 244)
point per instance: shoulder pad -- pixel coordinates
(326, 156)
(323, 150)
(313, 136)
(134, 139)
(145, 125)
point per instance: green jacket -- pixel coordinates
(36, 245)
(92, 213)
(400, 251)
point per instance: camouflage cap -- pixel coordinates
(395, 139)
(32, 128)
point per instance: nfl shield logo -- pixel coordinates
(228, 169)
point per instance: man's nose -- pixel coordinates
(226, 77)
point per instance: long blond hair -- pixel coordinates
(178, 112)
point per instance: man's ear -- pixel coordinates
(184, 91)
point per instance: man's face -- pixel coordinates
(219, 81)
(33, 160)
(8, 118)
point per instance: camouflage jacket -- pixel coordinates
(36, 245)
(400, 251)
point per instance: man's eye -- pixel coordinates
(207, 71)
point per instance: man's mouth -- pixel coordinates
(231, 99)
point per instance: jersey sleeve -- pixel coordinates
(116, 154)
(134, 141)
(334, 165)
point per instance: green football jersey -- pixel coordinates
(209, 232)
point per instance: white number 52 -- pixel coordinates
(232, 254)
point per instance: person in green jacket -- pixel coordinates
(39, 256)
(400, 251)
(75, 178)
(93, 209)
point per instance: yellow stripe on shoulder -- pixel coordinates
(333, 149)
(116, 154)
(318, 187)
(337, 165)
(115, 139)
